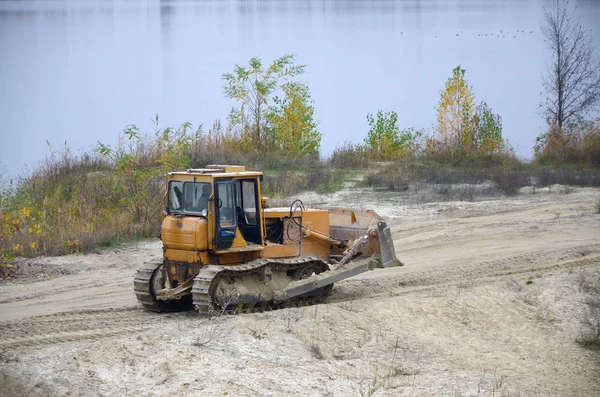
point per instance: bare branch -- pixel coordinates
(573, 82)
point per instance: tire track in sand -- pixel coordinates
(392, 282)
(72, 326)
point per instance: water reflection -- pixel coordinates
(82, 70)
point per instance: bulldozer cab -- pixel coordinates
(228, 197)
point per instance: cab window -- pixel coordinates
(248, 201)
(226, 204)
(196, 195)
(175, 195)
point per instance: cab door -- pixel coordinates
(248, 212)
(225, 211)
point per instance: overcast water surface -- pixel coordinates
(80, 71)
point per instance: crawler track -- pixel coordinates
(209, 277)
(142, 286)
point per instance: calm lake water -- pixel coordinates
(79, 71)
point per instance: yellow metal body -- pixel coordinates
(192, 240)
(216, 218)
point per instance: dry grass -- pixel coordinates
(369, 385)
(589, 336)
(349, 156)
(575, 144)
(209, 333)
(73, 203)
(315, 351)
(466, 184)
(287, 182)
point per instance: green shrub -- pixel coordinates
(385, 140)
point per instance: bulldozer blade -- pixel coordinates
(350, 225)
(301, 287)
(386, 246)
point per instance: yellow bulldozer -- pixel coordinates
(225, 250)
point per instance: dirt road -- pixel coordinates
(489, 303)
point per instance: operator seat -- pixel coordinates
(203, 200)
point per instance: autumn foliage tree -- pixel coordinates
(291, 123)
(455, 109)
(464, 130)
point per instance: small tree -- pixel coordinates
(292, 124)
(487, 128)
(454, 111)
(572, 84)
(385, 140)
(253, 86)
(465, 131)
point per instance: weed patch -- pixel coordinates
(74, 203)
(466, 184)
(590, 322)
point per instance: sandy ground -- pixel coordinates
(489, 303)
